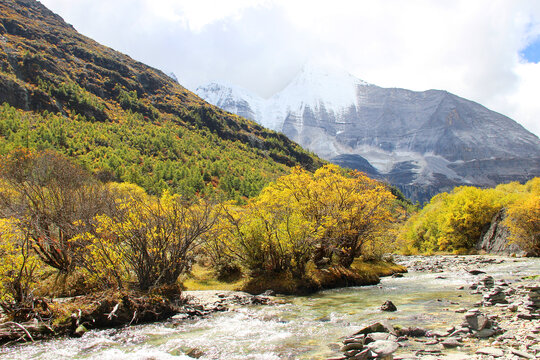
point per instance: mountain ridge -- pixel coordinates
(415, 140)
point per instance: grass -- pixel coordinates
(361, 273)
(378, 267)
(203, 278)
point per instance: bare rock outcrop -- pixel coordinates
(496, 239)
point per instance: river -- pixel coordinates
(309, 327)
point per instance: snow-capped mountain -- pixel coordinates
(423, 142)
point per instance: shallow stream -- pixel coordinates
(310, 327)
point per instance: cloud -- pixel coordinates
(470, 48)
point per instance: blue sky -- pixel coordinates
(532, 52)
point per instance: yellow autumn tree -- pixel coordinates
(523, 220)
(53, 201)
(327, 216)
(455, 221)
(18, 265)
(153, 238)
(452, 222)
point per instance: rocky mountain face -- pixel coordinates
(423, 142)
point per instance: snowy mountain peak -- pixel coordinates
(313, 72)
(233, 98)
(423, 142)
(318, 86)
(215, 91)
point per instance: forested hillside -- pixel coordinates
(123, 120)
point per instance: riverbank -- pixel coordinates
(502, 324)
(75, 316)
(361, 273)
(45, 319)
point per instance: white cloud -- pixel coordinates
(470, 48)
(523, 103)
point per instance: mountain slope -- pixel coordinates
(423, 142)
(118, 116)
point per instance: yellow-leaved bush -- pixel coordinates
(326, 217)
(454, 222)
(18, 265)
(523, 219)
(152, 238)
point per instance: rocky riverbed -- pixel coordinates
(446, 307)
(503, 324)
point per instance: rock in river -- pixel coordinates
(383, 348)
(388, 306)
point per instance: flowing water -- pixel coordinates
(310, 327)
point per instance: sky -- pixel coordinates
(487, 51)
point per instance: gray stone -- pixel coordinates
(379, 336)
(487, 281)
(522, 354)
(451, 342)
(437, 334)
(491, 351)
(362, 355)
(485, 333)
(388, 306)
(476, 272)
(496, 296)
(351, 353)
(352, 346)
(476, 321)
(383, 347)
(376, 327)
(355, 339)
(413, 332)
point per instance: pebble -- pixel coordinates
(490, 351)
(522, 354)
(451, 342)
